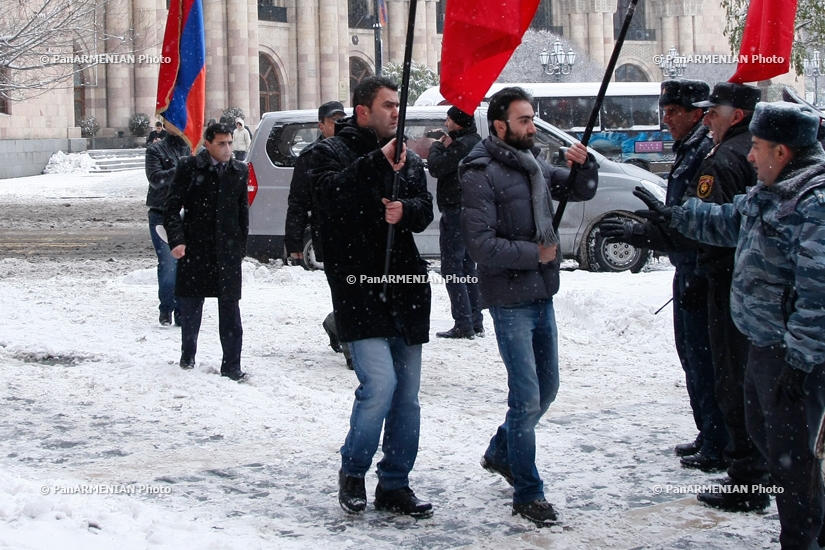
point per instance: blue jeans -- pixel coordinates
(167, 266)
(528, 342)
(456, 261)
(389, 372)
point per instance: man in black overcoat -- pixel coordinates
(209, 241)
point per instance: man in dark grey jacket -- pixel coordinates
(161, 160)
(507, 224)
(457, 268)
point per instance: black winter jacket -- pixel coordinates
(214, 227)
(301, 209)
(161, 159)
(498, 225)
(443, 164)
(350, 176)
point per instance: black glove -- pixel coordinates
(614, 229)
(790, 385)
(658, 212)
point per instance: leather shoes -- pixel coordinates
(187, 364)
(402, 501)
(735, 497)
(705, 463)
(493, 468)
(165, 318)
(687, 449)
(236, 375)
(456, 333)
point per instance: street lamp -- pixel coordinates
(814, 69)
(672, 66)
(557, 63)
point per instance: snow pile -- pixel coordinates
(69, 163)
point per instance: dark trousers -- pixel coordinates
(786, 433)
(690, 329)
(730, 358)
(229, 327)
(457, 264)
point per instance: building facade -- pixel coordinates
(267, 55)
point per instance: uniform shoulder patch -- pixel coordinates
(704, 187)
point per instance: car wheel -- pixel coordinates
(310, 261)
(609, 256)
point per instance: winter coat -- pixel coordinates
(161, 159)
(690, 153)
(301, 207)
(725, 173)
(241, 139)
(214, 227)
(498, 226)
(350, 176)
(778, 291)
(443, 164)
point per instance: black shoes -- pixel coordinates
(503, 471)
(352, 495)
(687, 449)
(539, 512)
(334, 343)
(705, 463)
(236, 375)
(187, 364)
(177, 318)
(456, 333)
(733, 497)
(165, 319)
(479, 330)
(401, 501)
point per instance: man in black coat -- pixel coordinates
(161, 159)
(457, 268)
(507, 223)
(690, 285)
(352, 174)
(209, 243)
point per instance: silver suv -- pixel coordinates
(282, 135)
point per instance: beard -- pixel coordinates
(523, 143)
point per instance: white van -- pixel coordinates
(282, 135)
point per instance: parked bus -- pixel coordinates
(628, 128)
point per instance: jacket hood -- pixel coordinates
(490, 149)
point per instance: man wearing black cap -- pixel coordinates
(457, 268)
(690, 287)
(725, 173)
(300, 209)
(778, 301)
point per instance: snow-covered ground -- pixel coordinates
(107, 443)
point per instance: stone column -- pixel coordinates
(329, 54)
(307, 46)
(686, 45)
(397, 11)
(119, 77)
(574, 15)
(669, 34)
(434, 42)
(214, 24)
(667, 13)
(595, 43)
(253, 65)
(344, 93)
(148, 42)
(237, 34)
(419, 53)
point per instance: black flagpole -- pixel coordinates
(594, 114)
(399, 135)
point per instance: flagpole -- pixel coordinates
(594, 114)
(399, 135)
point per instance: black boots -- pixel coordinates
(402, 501)
(352, 495)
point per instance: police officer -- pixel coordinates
(725, 173)
(778, 301)
(690, 286)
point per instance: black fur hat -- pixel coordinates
(738, 96)
(683, 92)
(460, 117)
(786, 123)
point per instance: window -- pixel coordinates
(638, 29)
(268, 11)
(5, 77)
(630, 73)
(566, 113)
(270, 85)
(360, 14)
(286, 142)
(358, 71)
(624, 113)
(543, 20)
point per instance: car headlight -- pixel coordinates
(656, 190)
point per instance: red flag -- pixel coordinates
(766, 41)
(182, 79)
(479, 38)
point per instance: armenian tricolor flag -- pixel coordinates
(182, 79)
